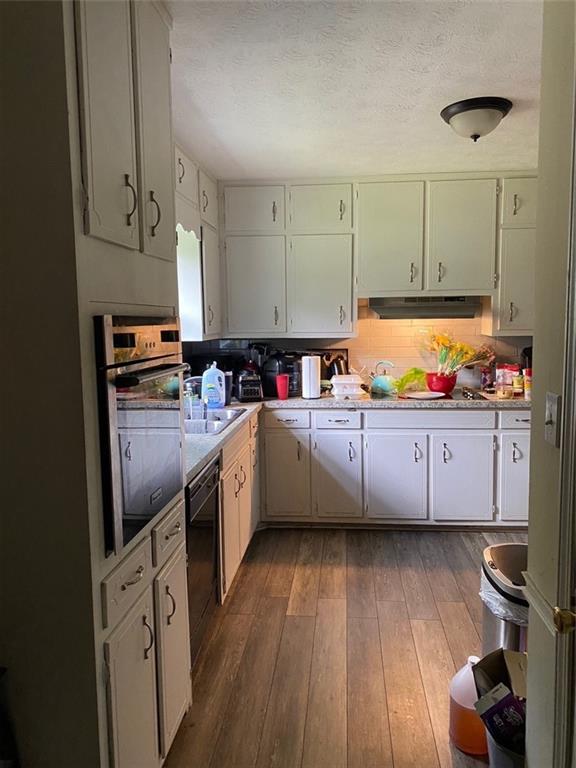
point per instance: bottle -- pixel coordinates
(467, 730)
(527, 383)
(213, 388)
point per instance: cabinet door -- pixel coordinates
(208, 199)
(396, 475)
(255, 450)
(131, 660)
(390, 237)
(287, 473)
(321, 208)
(107, 118)
(320, 284)
(211, 283)
(186, 173)
(517, 264)
(245, 498)
(337, 475)
(250, 209)
(514, 475)
(519, 202)
(173, 657)
(462, 235)
(230, 529)
(462, 476)
(256, 284)
(152, 49)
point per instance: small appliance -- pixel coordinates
(282, 362)
(249, 387)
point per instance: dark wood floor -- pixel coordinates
(335, 650)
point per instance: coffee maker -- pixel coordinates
(282, 362)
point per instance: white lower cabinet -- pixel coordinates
(132, 705)
(396, 476)
(245, 498)
(462, 476)
(237, 526)
(287, 473)
(514, 475)
(337, 474)
(173, 646)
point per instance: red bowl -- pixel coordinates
(438, 382)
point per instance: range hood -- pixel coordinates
(408, 307)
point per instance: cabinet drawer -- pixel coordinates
(429, 419)
(126, 582)
(168, 534)
(338, 419)
(287, 419)
(515, 420)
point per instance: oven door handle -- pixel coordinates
(126, 380)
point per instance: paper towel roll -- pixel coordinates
(311, 377)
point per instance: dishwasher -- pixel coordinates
(202, 536)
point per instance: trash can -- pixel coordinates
(500, 757)
(505, 617)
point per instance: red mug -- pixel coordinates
(282, 386)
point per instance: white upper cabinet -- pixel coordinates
(152, 64)
(108, 129)
(519, 200)
(514, 475)
(211, 283)
(462, 235)
(396, 475)
(208, 199)
(186, 174)
(320, 284)
(321, 208)
(390, 237)
(337, 475)
(252, 209)
(256, 284)
(517, 264)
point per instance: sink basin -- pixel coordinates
(203, 427)
(225, 414)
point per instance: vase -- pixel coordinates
(439, 382)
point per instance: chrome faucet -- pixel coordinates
(205, 409)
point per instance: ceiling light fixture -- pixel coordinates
(473, 118)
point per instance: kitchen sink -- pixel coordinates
(225, 414)
(216, 421)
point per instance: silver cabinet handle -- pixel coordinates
(298, 450)
(440, 269)
(445, 453)
(417, 453)
(134, 199)
(174, 532)
(512, 309)
(412, 271)
(181, 175)
(151, 632)
(276, 315)
(274, 210)
(342, 314)
(515, 206)
(204, 201)
(287, 421)
(135, 579)
(515, 453)
(338, 421)
(341, 209)
(351, 452)
(522, 421)
(242, 482)
(173, 611)
(128, 452)
(237, 490)
(154, 226)
(210, 315)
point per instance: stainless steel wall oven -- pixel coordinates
(139, 368)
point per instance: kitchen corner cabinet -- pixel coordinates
(132, 709)
(173, 646)
(516, 295)
(208, 199)
(396, 475)
(462, 235)
(186, 176)
(319, 271)
(287, 473)
(390, 237)
(321, 208)
(514, 476)
(256, 284)
(250, 209)
(519, 202)
(337, 474)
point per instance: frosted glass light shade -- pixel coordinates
(474, 118)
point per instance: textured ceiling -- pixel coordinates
(299, 89)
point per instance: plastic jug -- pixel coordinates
(467, 730)
(213, 387)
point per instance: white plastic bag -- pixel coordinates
(500, 606)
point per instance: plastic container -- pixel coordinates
(349, 385)
(527, 383)
(282, 382)
(213, 388)
(467, 731)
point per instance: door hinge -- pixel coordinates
(494, 443)
(290, 243)
(356, 194)
(495, 279)
(366, 508)
(564, 620)
(498, 188)
(494, 509)
(170, 55)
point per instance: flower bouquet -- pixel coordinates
(451, 357)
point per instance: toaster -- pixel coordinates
(249, 389)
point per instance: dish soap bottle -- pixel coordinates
(213, 389)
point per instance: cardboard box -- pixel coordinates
(501, 666)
